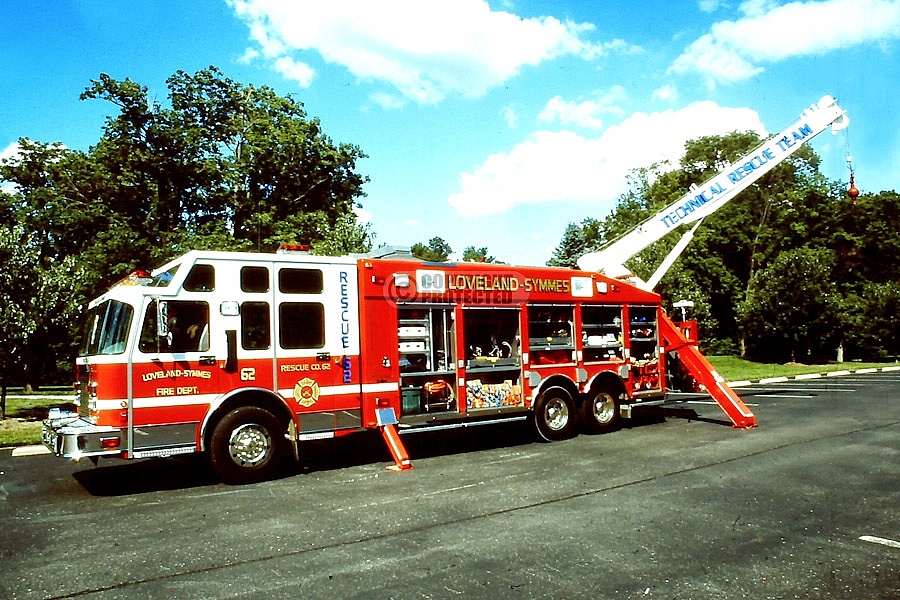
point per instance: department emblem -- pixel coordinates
(306, 392)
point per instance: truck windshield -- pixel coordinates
(106, 329)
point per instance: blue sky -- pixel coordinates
(487, 123)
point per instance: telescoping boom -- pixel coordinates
(703, 200)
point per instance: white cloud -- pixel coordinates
(10, 152)
(426, 50)
(363, 216)
(292, 69)
(386, 100)
(586, 113)
(249, 55)
(564, 166)
(767, 33)
(511, 117)
(12, 155)
(667, 93)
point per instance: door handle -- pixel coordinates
(323, 356)
(207, 361)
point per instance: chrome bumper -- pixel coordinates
(71, 436)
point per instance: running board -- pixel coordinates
(697, 365)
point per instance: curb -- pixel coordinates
(804, 376)
(29, 451)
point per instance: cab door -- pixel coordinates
(317, 344)
(173, 375)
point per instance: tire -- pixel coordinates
(248, 445)
(554, 415)
(600, 412)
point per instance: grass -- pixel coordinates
(734, 368)
(24, 412)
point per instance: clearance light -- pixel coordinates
(139, 277)
(294, 249)
(109, 443)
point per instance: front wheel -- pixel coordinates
(600, 412)
(554, 415)
(247, 445)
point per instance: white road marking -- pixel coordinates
(880, 540)
(711, 403)
(30, 451)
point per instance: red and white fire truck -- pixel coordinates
(246, 355)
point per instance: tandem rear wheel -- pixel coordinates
(600, 412)
(554, 415)
(248, 445)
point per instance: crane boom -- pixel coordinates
(703, 200)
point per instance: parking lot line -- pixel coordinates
(30, 451)
(880, 540)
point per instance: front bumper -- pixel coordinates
(71, 436)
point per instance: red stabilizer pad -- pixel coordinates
(398, 450)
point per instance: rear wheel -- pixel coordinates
(600, 412)
(554, 414)
(247, 445)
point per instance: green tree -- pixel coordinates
(40, 303)
(871, 317)
(227, 160)
(473, 254)
(221, 166)
(793, 310)
(790, 208)
(570, 249)
(784, 209)
(437, 250)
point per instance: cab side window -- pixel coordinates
(202, 278)
(188, 326)
(255, 327)
(300, 281)
(254, 279)
(302, 325)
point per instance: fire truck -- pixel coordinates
(246, 356)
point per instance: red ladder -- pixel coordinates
(727, 399)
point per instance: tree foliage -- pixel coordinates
(791, 312)
(473, 254)
(784, 270)
(437, 250)
(220, 166)
(40, 295)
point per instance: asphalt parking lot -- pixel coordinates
(675, 505)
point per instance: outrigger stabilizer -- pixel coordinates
(387, 423)
(701, 369)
